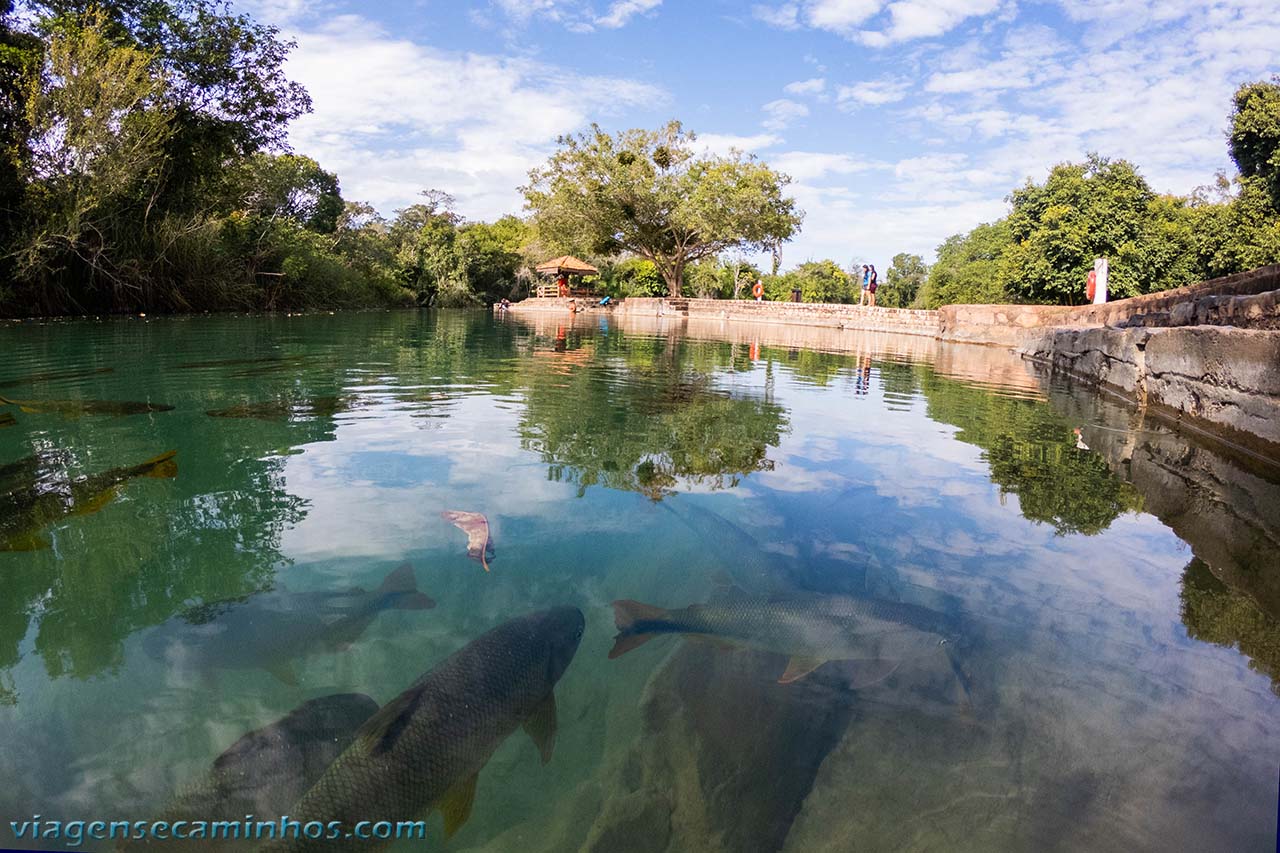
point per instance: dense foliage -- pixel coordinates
(651, 194)
(1043, 250)
(144, 166)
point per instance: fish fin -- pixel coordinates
(5, 401)
(798, 667)
(26, 542)
(542, 727)
(456, 804)
(282, 670)
(864, 673)
(401, 588)
(162, 467)
(724, 586)
(628, 615)
(96, 502)
(381, 731)
(624, 643)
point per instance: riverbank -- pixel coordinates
(1203, 355)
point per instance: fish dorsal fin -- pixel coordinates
(798, 667)
(456, 804)
(541, 727)
(384, 728)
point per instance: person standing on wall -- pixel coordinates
(866, 282)
(872, 282)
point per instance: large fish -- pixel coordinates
(76, 408)
(425, 748)
(270, 630)
(269, 410)
(811, 629)
(267, 770)
(34, 495)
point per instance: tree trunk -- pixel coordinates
(674, 276)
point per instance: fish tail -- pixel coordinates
(161, 467)
(400, 591)
(635, 622)
(5, 401)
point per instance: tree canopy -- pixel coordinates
(652, 194)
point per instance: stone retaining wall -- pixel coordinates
(1231, 300)
(899, 320)
(1222, 379)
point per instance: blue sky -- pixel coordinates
(901, 122)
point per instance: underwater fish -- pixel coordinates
(811, 629)
(7, 419)
(271, 629)
(37, 495)
(230, 362)
(76, 408)
(267, 770)
(55, 376)
(425, 748)
(476, 526)
(269, 410)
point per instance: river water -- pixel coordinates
(1111, 683)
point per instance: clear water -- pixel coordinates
(1119, 589)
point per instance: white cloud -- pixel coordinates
(782, 112)
(814, 86)
(575, 15)
(723, 143)
(804, 166)
(900, 21)
(914, 19)
(624, 10)
(487, 121)
(839, 16)
(873, 92)
(784, 17)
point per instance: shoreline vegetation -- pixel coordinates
(144, 168)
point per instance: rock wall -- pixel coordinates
(1218, 378)
(899, 320)
(1243, 299)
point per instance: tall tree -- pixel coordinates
(1255, 134)
(650, 193)
(99, 124)
(902, 281)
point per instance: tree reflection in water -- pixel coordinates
(645, 417)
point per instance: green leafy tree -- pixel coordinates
(902, 281)
(1082, 211)
(968, 268)
(21, 56)
(651, 194)
(290, 186)
(99, 122)
(1254, 140)
(490, 256)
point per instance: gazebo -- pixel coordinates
(561, 268)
